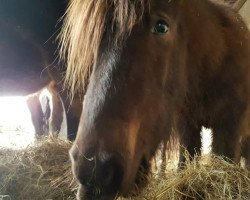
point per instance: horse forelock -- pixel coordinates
(85, 22)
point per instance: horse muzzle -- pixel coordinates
(100, 175)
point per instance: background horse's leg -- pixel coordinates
(246, 151)
(226, 141)
(73, 109)
(229, 127)
(190, 139)
(45, 103)
(56, 117)
(36, 112)
(244, 132)
(53, 109)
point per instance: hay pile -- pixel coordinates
(37, 173)
(43, 172)
(220, 179)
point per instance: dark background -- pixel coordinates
(28, 45)
(39, 18)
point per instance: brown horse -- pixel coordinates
(27, 61)
(22, 69)
(47, 111)
(154, 65)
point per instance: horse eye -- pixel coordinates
(161, 27)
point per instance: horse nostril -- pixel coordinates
(110, 173)
(101, 175)
(83, 165)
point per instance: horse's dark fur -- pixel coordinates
(197, 74)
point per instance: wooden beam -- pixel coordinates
(239, 4)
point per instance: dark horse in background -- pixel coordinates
(154, 66)
(28, 60)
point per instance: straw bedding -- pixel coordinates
(43, 172)
(220, 179)
(39, 172)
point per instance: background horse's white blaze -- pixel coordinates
(16, 128)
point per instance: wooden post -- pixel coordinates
(239, 4)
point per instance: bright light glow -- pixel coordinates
(16, 128)
(206, 135)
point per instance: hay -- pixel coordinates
(208, 178)
(38, 172)
(43, 172)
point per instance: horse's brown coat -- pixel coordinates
(197, 74)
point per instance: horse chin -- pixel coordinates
(85, 193)
(89, 192)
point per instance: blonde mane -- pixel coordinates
(84, 24)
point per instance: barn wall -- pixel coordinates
(245, 12)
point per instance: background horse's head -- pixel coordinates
(135, 54)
